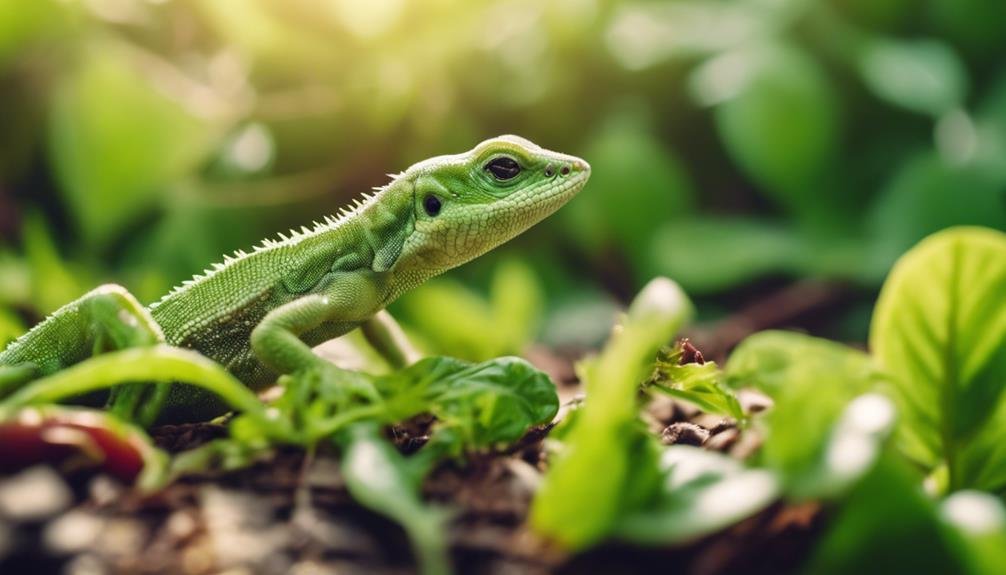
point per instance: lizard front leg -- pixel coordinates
(277, 343)
(276, 340)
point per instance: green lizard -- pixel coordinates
(259, 313)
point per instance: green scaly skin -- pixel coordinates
(259, 313)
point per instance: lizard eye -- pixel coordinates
(432, 205)
(503, 168)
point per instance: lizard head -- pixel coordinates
(467, 204)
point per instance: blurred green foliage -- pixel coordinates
(731, 141)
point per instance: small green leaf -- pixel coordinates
(577, 505)
(11, 326)
(379, 478)
(701, 384)
(53, 285)
(924, 76)
(491, 402)
(464, 323)
(939, 331)
(516, 298)
(703, 492)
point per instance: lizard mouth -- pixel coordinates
(561, 192)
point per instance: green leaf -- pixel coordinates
(812, 382)
(53, 285)
(701, 384)
(379, 478)
(939, 331)
(851, 449)
(578, 504)
(772, 361)
(515, 295)
(11, 327)
(464, 323)
(491, 402)
(887, 525)
(926, 195)
(980, 518)
(116, 141)
(456, 319)
(786, 99)
(24, 23)
(924, 76)
(694, 495)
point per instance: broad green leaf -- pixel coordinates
(926, 195)
(703, 492)
(771, 360)
(781, 125)
(887, 525)
(852, 447)
(577, 505)
(922, 75)
(495, 401)
(812, 382)
(939, 332)
(117, 141)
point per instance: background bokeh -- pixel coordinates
(736, 146)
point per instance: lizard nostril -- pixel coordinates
(565, 170)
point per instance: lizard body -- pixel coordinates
(259, 313)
